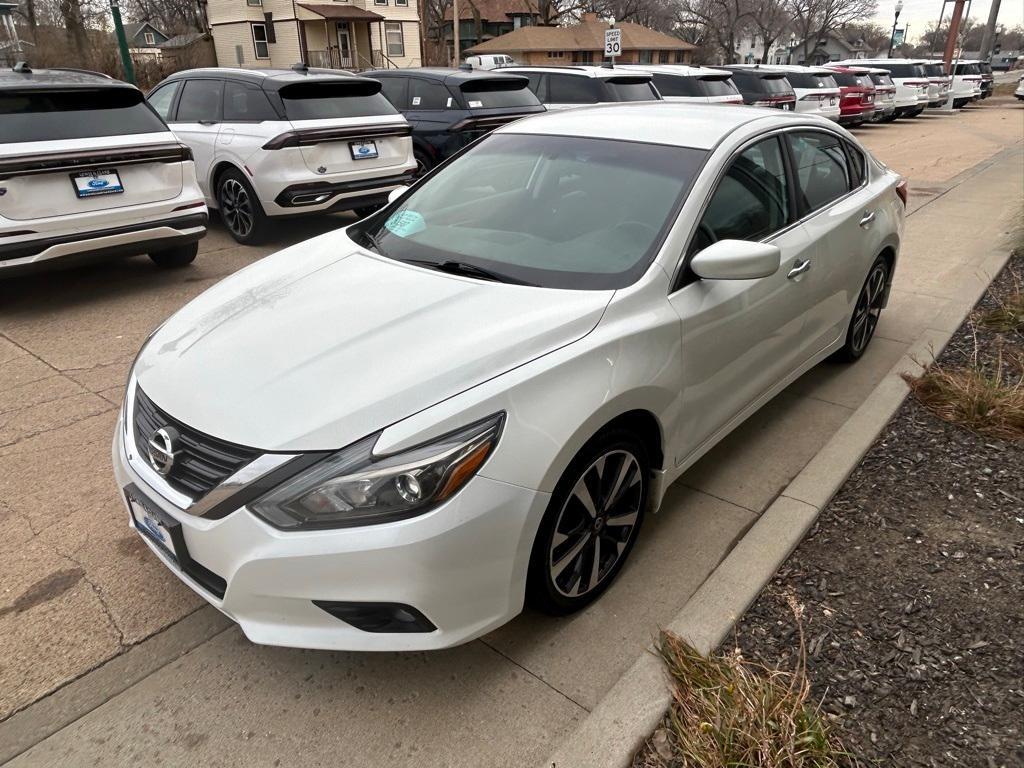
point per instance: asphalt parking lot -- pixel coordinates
(80, 588)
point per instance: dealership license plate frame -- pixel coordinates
(112, 184)
(154, 524)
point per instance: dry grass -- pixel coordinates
(988, 403)
(1008, 317)
(731, 713)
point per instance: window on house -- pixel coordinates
(255, 3)
(380, 2)
(393, 37)
(402, 3)
(585, 57)
(556, 54)
(150, 38)
(644, 57)
(663, 57)
(259, 41)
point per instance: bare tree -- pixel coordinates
(723, 22)
(769, 19)
(170, 16)
(814, 19)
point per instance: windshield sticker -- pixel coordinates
(448, 104)
(475, 104)
(405, 223)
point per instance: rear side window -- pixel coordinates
(246, 104)
(676, 86)
(807, 80)
(487, 93)
(629, 89)
(881, 80)
(569, 89)
(751, 201)
(718, 86)
(821, 166)
(79, 113)
(901, 70)
(334, 99)
(425, 94)
(163, 97)
(858, 168)
(200, 101)
(850, 80)
(394, 90)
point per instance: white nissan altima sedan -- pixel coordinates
(392, 435)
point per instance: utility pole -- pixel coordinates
(122, 43)
(952, 35)
(455, 30)
(990, 31)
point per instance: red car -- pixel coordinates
(857, 94)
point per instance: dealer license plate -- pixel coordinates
(363, 150)
(150, 524)
(93, 183)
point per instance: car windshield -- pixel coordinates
(498, 92)
(630, 89)
(335, 99)
(57, 115)
(555, 211)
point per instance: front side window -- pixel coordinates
(163, 97)
(333, 99)
(821, 169)
(259, 41)
(570, 89)
(543, 210)
(752, 200)
(394, 38)
(200, 101)
(56, 115)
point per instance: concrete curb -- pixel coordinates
(24, 729)
(622, 720)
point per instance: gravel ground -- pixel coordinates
(911, 588)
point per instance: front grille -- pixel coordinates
(202, 462)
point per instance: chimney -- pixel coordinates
(589, 18)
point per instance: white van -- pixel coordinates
(490, 61)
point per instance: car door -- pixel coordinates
(197, 123)
(839, 212)
(247, 121)
(741, 338)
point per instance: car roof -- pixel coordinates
(57, 78)
(583, 70)
(270, 79)
(699, 126)
(848, 69)
(853, 62)
(796, 68)
(679, 70)
(441, 74)
(754, 69)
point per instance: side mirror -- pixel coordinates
(396, 193)
(736, 260)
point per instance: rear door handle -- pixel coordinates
(799, 267)
(867, 218)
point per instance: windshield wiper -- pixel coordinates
(453, 267)
(373, 241)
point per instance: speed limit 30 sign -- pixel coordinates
(612, 42)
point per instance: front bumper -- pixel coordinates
(462, 565)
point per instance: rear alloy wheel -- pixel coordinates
(240, 210)
(866, 312)
(172, 258)
(590, 525)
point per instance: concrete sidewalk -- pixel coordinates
(506, 699)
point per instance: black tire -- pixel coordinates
(423, 162)
(584, 537)
(173, 258)
(866, 312)
(240, 209)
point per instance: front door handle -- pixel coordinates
(799, 267)
(867, 218)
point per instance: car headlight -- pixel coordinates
(353, 487)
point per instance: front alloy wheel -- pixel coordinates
(590, 526)
(240, 211)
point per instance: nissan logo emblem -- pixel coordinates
(162, 449)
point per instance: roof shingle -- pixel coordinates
(586, 36)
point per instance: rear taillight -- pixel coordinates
(186, 152)
(901, 191)
(283, 141)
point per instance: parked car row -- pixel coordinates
(260, 144)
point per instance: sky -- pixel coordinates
(918, 13)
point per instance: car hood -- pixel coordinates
(324, 343)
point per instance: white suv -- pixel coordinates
(285, 142)
(914, 89)
(679, 82)
(569, 87)
(816, 89)
(88, 171)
